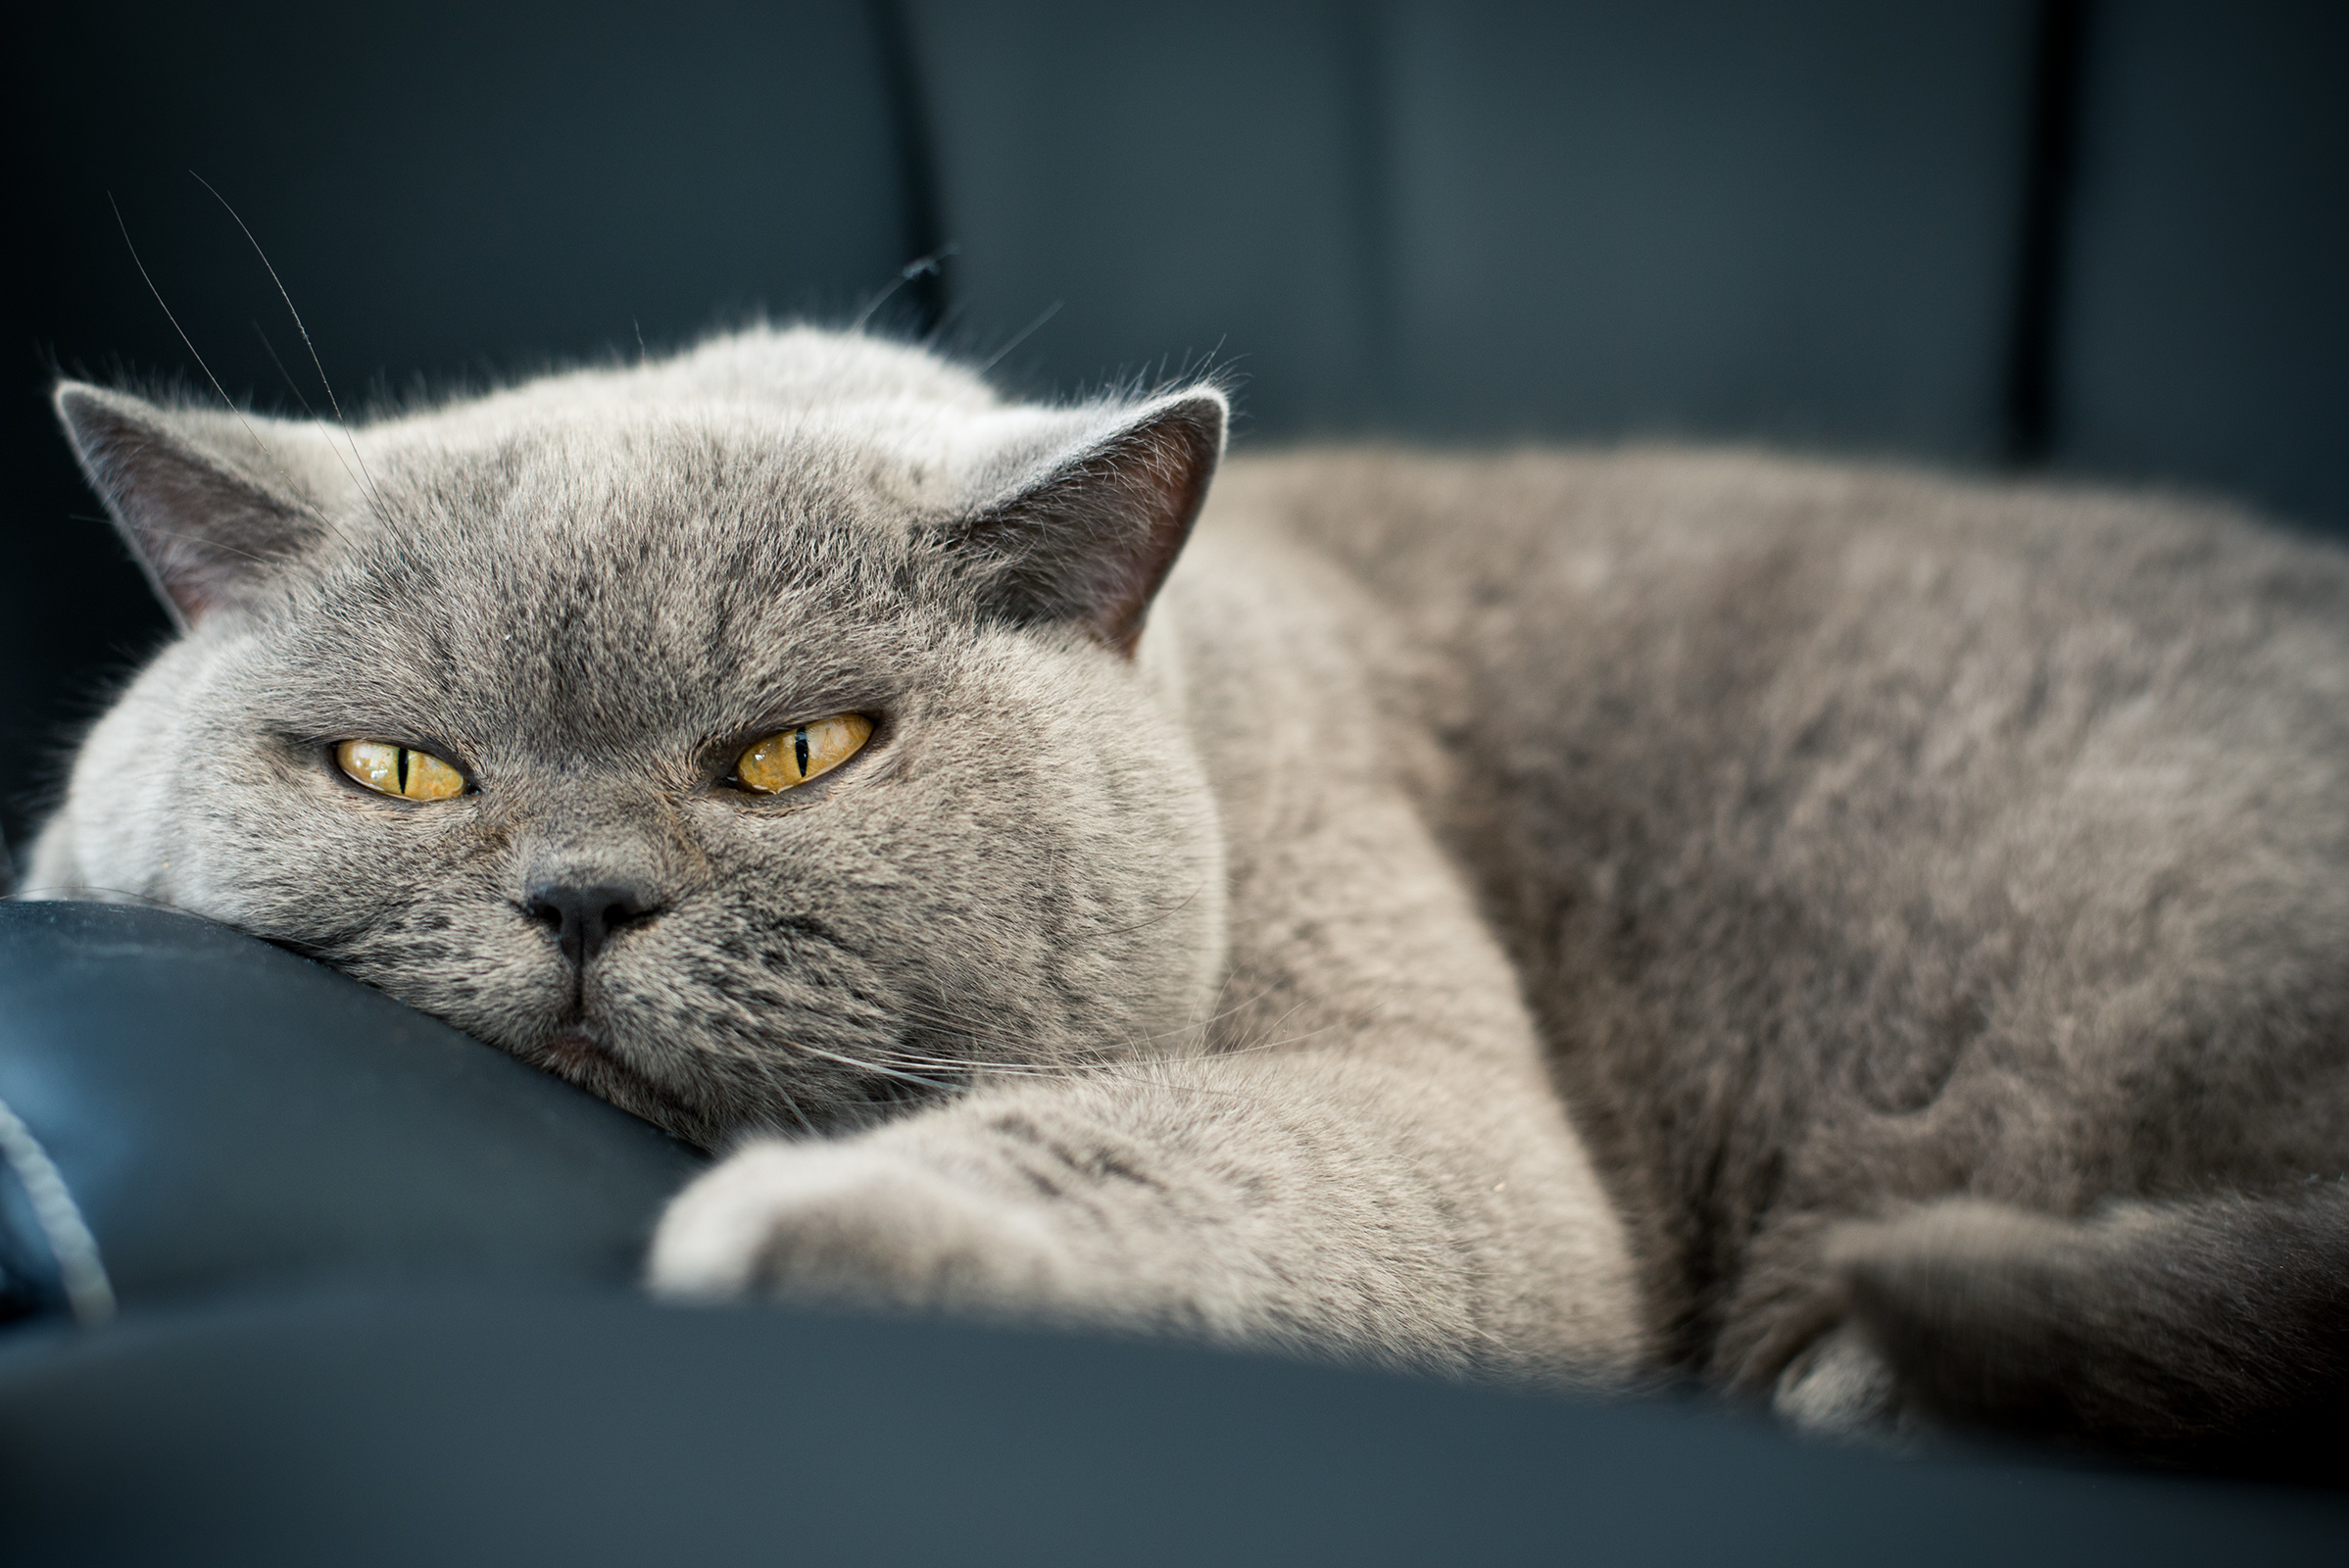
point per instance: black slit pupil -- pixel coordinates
(401, 767)
(798, 748)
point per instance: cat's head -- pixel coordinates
(506, 708)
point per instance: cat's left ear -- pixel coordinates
(1090, 539)
(210, 504)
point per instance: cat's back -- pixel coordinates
(1740, 609)
(1855, 827)
(1463, 543)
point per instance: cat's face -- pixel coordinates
(590, 614)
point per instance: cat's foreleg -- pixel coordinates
(1300, 1203)
(1369, 1162)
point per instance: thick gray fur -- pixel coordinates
(1866, 939)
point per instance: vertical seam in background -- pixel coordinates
(916, 149)
(2050, 157)
(1364, 37)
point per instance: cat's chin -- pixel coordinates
(576, 1054)
(575, 1048)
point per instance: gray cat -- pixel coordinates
(1866, 940)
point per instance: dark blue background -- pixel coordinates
(2111, 239)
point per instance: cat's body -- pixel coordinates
(1850, 879)
(1863, 839)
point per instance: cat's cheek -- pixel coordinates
(855, 1225)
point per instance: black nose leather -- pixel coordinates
(584, 915)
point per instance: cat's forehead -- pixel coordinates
(755, 528)
(659, 482)
(637, 572)
(768, 428)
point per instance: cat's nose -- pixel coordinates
(583, 916)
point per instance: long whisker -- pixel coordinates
(1122, 1065)
(905, 274)
(869, 1066)
(373, 495)
(921, 1013)
(967, 1065)
(1022, 336)
(291, 385)
(773, 1078)
(1131, 1072)
(947, 319)
(753, 1071)
(227, 401)
(1154, 1071)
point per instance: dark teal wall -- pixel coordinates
(2110, 238)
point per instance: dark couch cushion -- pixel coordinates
(1172, 182)
(2205, 308)
(1794, 220)
(526, 1428)
(230, 1118)
(1496, 219)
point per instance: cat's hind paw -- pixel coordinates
(1840, 1389)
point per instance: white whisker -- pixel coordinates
(375, 499)
(227, 401)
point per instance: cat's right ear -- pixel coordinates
(1086, 536)
(201, 519)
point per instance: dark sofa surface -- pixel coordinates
(541, 1427)
(231, 1119)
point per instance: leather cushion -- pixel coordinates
(230, 1117)
(526, 1428)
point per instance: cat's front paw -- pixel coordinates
(852, 1224)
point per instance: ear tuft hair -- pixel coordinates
(1091, 542)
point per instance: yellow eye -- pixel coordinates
(399, 770)
(789, 760)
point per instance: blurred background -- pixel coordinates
(2103, 240)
